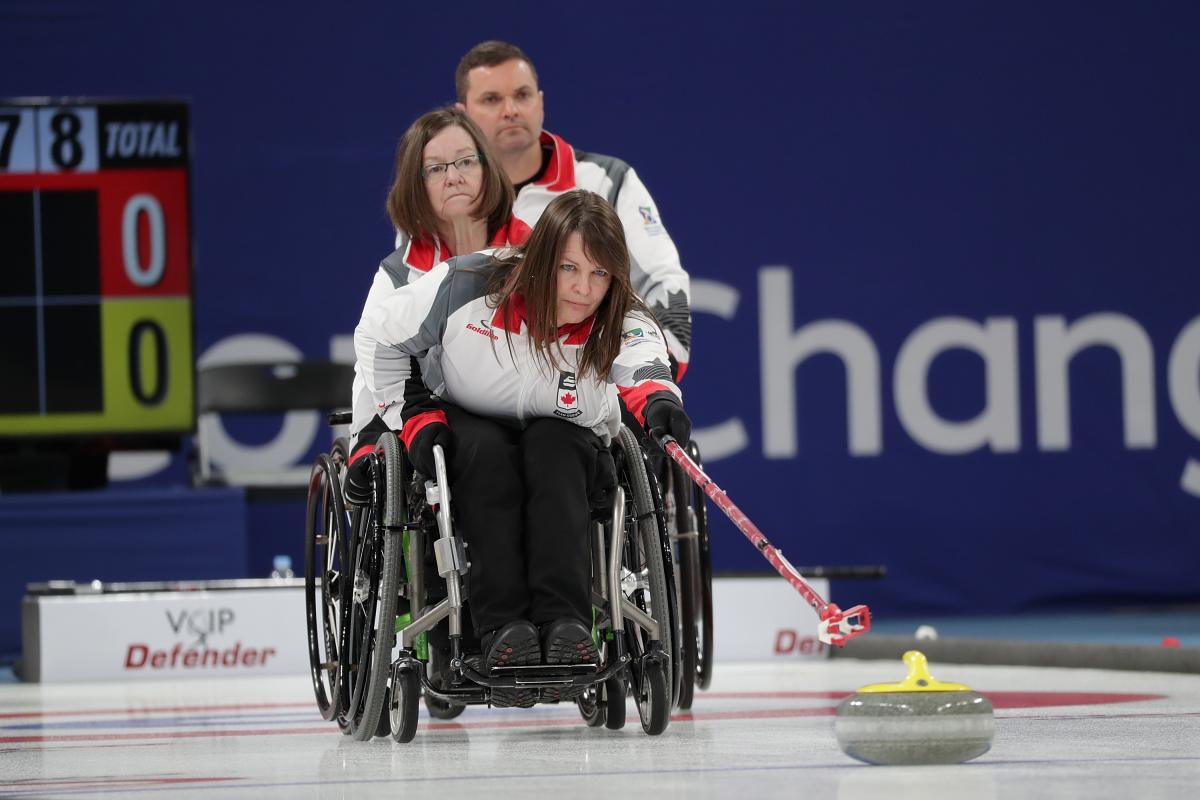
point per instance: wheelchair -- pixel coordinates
(385, 607)
(686, 513)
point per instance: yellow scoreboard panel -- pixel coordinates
(95, 268)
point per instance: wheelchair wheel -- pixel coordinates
(679, 488)
(646, 557)
(372, 617)
(384, 726)
(325, 558)
(654, 698)
(704, 630)
(593, 710)
(359, 624)
(614, 702)
(604, 704)
(402, 704)
(688, 635)
(442, 709)
(695, 582)
(438, 708)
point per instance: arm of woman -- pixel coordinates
(394, 333)
(642, 375)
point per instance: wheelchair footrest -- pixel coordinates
(538, 675)
(545, 674)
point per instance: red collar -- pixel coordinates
(516, 314)
(515, 232)
(577, 333)
(425, 253)
(560, 175)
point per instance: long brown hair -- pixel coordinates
(532, 271)
(408, 200)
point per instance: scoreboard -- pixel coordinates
(95, 269)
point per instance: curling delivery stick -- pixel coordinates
(836, 626)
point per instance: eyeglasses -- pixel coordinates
(464, 164)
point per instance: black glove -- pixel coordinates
(358, 481)
(420, 452)
(663, 416)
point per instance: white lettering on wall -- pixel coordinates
(998, 425)
(784, 349)
(1056, 344)
(1183, 387)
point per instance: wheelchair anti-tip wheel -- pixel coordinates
(326, 554)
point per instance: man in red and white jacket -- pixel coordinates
(497, 86)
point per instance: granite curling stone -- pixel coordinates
(916, 721)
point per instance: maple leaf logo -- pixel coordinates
(568, 399)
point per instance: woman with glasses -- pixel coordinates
(449, 197)
(513, 361)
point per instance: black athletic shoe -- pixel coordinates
(514, 645)
(567, 641)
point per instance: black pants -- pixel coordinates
(520, 497)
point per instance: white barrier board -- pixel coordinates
(261, 631)
(765, 619)
(171, 635)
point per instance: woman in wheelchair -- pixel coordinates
(449, 197)
(516, 362)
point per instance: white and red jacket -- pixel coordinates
(411, 260)
(438, 339)
(657, 276)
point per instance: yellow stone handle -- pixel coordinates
(918, 680)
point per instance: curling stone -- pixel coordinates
(919, 720)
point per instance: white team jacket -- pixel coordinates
(437, 338)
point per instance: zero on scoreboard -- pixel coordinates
(95, 268)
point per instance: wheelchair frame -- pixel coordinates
(634, 596)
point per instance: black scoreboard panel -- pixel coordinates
(95, 268)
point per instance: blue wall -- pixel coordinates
(911, 173)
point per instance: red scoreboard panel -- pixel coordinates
(95, 269)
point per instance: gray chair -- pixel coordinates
(263, 388)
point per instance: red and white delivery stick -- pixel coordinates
(836, 626)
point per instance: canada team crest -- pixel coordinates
(568, 397)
